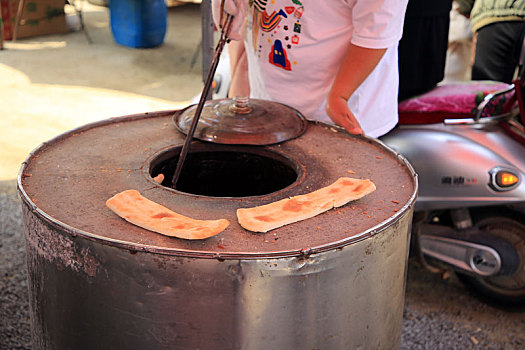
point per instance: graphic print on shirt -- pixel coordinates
(269, 22)
(276, 31)
(278, 56)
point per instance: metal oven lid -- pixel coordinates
(243, 121)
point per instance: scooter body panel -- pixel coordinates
(455, 164)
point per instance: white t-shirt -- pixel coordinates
(295, 47)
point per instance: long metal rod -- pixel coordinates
(200, 106)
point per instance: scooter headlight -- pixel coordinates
(503, 179)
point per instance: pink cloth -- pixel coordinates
(455, 98)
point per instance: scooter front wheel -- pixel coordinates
(503, 290)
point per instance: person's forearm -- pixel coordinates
(356, 66)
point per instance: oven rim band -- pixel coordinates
(137, 247)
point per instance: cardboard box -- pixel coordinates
(39, 17)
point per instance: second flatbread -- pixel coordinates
(289, 210)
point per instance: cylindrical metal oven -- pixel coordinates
(335, 281)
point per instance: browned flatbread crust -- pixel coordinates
(133, 207)
(289, 210)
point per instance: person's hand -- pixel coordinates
(337, 109)
(235, 8)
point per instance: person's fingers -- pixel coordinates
(351, 125)
(230, 7)
(235, 8)
(338, 111)
(355, 131)
(356, 128)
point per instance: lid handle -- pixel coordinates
(241, 105)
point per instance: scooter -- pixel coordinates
(470, 211)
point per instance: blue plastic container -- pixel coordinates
(138, 23)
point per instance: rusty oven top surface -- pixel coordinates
(68, 180)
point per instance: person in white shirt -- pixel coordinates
(333, 60)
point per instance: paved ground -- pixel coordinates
(51, 84)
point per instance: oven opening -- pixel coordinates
(226, 171)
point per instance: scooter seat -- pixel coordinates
(453, 101)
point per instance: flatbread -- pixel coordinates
(289, 210)
(133, 207)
